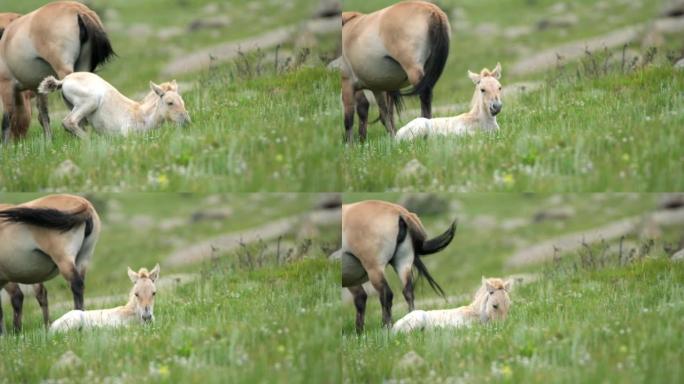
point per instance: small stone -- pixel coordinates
(410, 361)
(414, 171)
(68, 363)
(679, 64)
(679, 255)
(66, 169)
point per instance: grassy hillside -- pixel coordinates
(589, 317)
(254, 127)
(594, 124)
(239, 318)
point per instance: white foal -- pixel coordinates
(94, 100)
(139, 309)
(491, 303)
(485, 105)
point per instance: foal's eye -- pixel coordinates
(169, 103)
(154, 293)
(491, 292)
(136, 295)
(482, 90)
(499, 88)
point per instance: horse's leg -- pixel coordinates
(42, 298)
(426, 103)
(362, 106)
(68, 270)
(73, 120)
(7, 95)
(349, 102)
(2, 320)
(43, 115)
(385, 116)
(377, 278)
(360, 298)
(17, 300)
(390, 114)
(403, 264)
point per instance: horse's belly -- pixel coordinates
(27, 267)
(29, 73)
(353, 273)
(380, 74)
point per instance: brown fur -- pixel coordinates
(21, 242)
(372, 238)
(414, 36)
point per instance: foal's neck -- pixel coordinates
(479, 114)
(146, 114)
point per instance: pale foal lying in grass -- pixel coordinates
(491, 303)
(139, 309)
(485, 105)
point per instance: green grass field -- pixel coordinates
(240, 320)
(584, 130)
(586, 318)
(253, 130)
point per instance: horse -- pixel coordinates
(139, 309)
(484, 106)
(17, 301)
(491, 303)
(94, 100)
(5, 19)
(43, 237)
(377, 233)
(405, 44)
(56, 39)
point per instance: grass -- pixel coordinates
(588, 318)
(616, 324)
(239, 321)
(575, 134)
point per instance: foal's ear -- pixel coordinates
(156, 89)
(154, 275)
(174, 86)
(508, 284)
(133, 275)
(474, 77)
(496, 73)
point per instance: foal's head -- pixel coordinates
(170, 103)
(144, 291)
(494, 299)
(488, 89)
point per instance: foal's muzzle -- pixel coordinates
(495, 108)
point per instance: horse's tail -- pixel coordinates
(49, 84)
(422, 246)
(50, 218)
(91, 28)
(439, 35)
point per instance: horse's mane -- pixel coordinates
(143, 273)
(166, 87)
(346, 16)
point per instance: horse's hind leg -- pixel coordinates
(68, 270)
(2, 320)
(362, 106)
(377, 278)
(386, 111)
(360, 298)
(72, 122)
(42, 298)
(17, 300)
(349, 103)
(43, 115)
(426, 103)
(403, 265)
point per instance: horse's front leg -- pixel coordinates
(17, 300)
(349, 102)
(360, 298)
(72, 122)
(2, 320)
(42, 298)
(362, 106)
(44, 115)
(377, 278)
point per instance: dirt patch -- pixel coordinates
(203, 250)
(546, 250)
(203, 58)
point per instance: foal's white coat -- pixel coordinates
(139, 309)
(491, 303)
(485, 105)
(93, 99)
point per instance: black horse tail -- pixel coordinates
(91, 29)
(50, 218)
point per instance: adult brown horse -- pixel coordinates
(406, 44)
(43, 237)
(54, 40)
(377, 233)
(5, 19)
